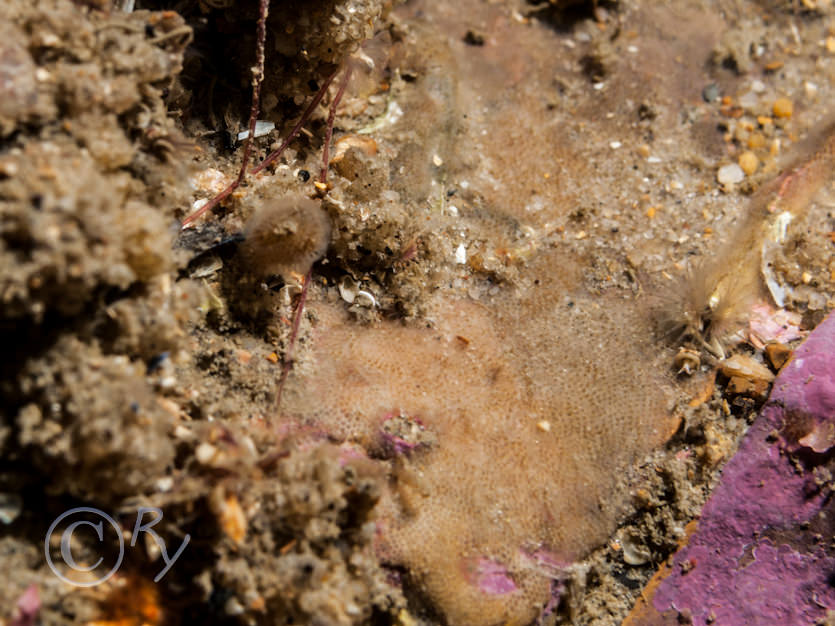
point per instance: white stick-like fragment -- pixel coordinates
(262, 127)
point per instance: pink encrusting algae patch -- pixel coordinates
(757, 556)
(491, 578)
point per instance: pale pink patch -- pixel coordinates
(28, 606)
(547, 562)
(349, 452)
(490, 577)
(556, 568)
(820, 438)
(683, 455)
(769, 325)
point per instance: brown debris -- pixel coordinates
(778, 354)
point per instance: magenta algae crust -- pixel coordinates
(762, 553)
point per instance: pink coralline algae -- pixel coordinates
(762, 553)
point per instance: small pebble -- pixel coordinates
(205, 453)
(749, 162)
(614, 145)
(830, 45)
(756, 140)
(710, 93)
(461, 254)
(783, 108)
(730, 174)
(748, 100)
(11, 505)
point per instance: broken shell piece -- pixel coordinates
(756, 389)
(210, 181)
(262, 127)
(634, 551)
(778, 354)
(820, 438)
(366, 145)
(776, 234)
(366, 299)
(768, 325)
(744, 366)
(348, 289)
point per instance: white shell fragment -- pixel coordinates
(461, 254)
(262, 127)
(350, 292)
(366, 299)
(348, 289)
(634, 551)
(775, 236)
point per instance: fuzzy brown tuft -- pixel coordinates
(708, 304)
(286, 237)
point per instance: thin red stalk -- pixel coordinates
(288, 357)
(346, 76)
(297, 128)
(257, 80)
